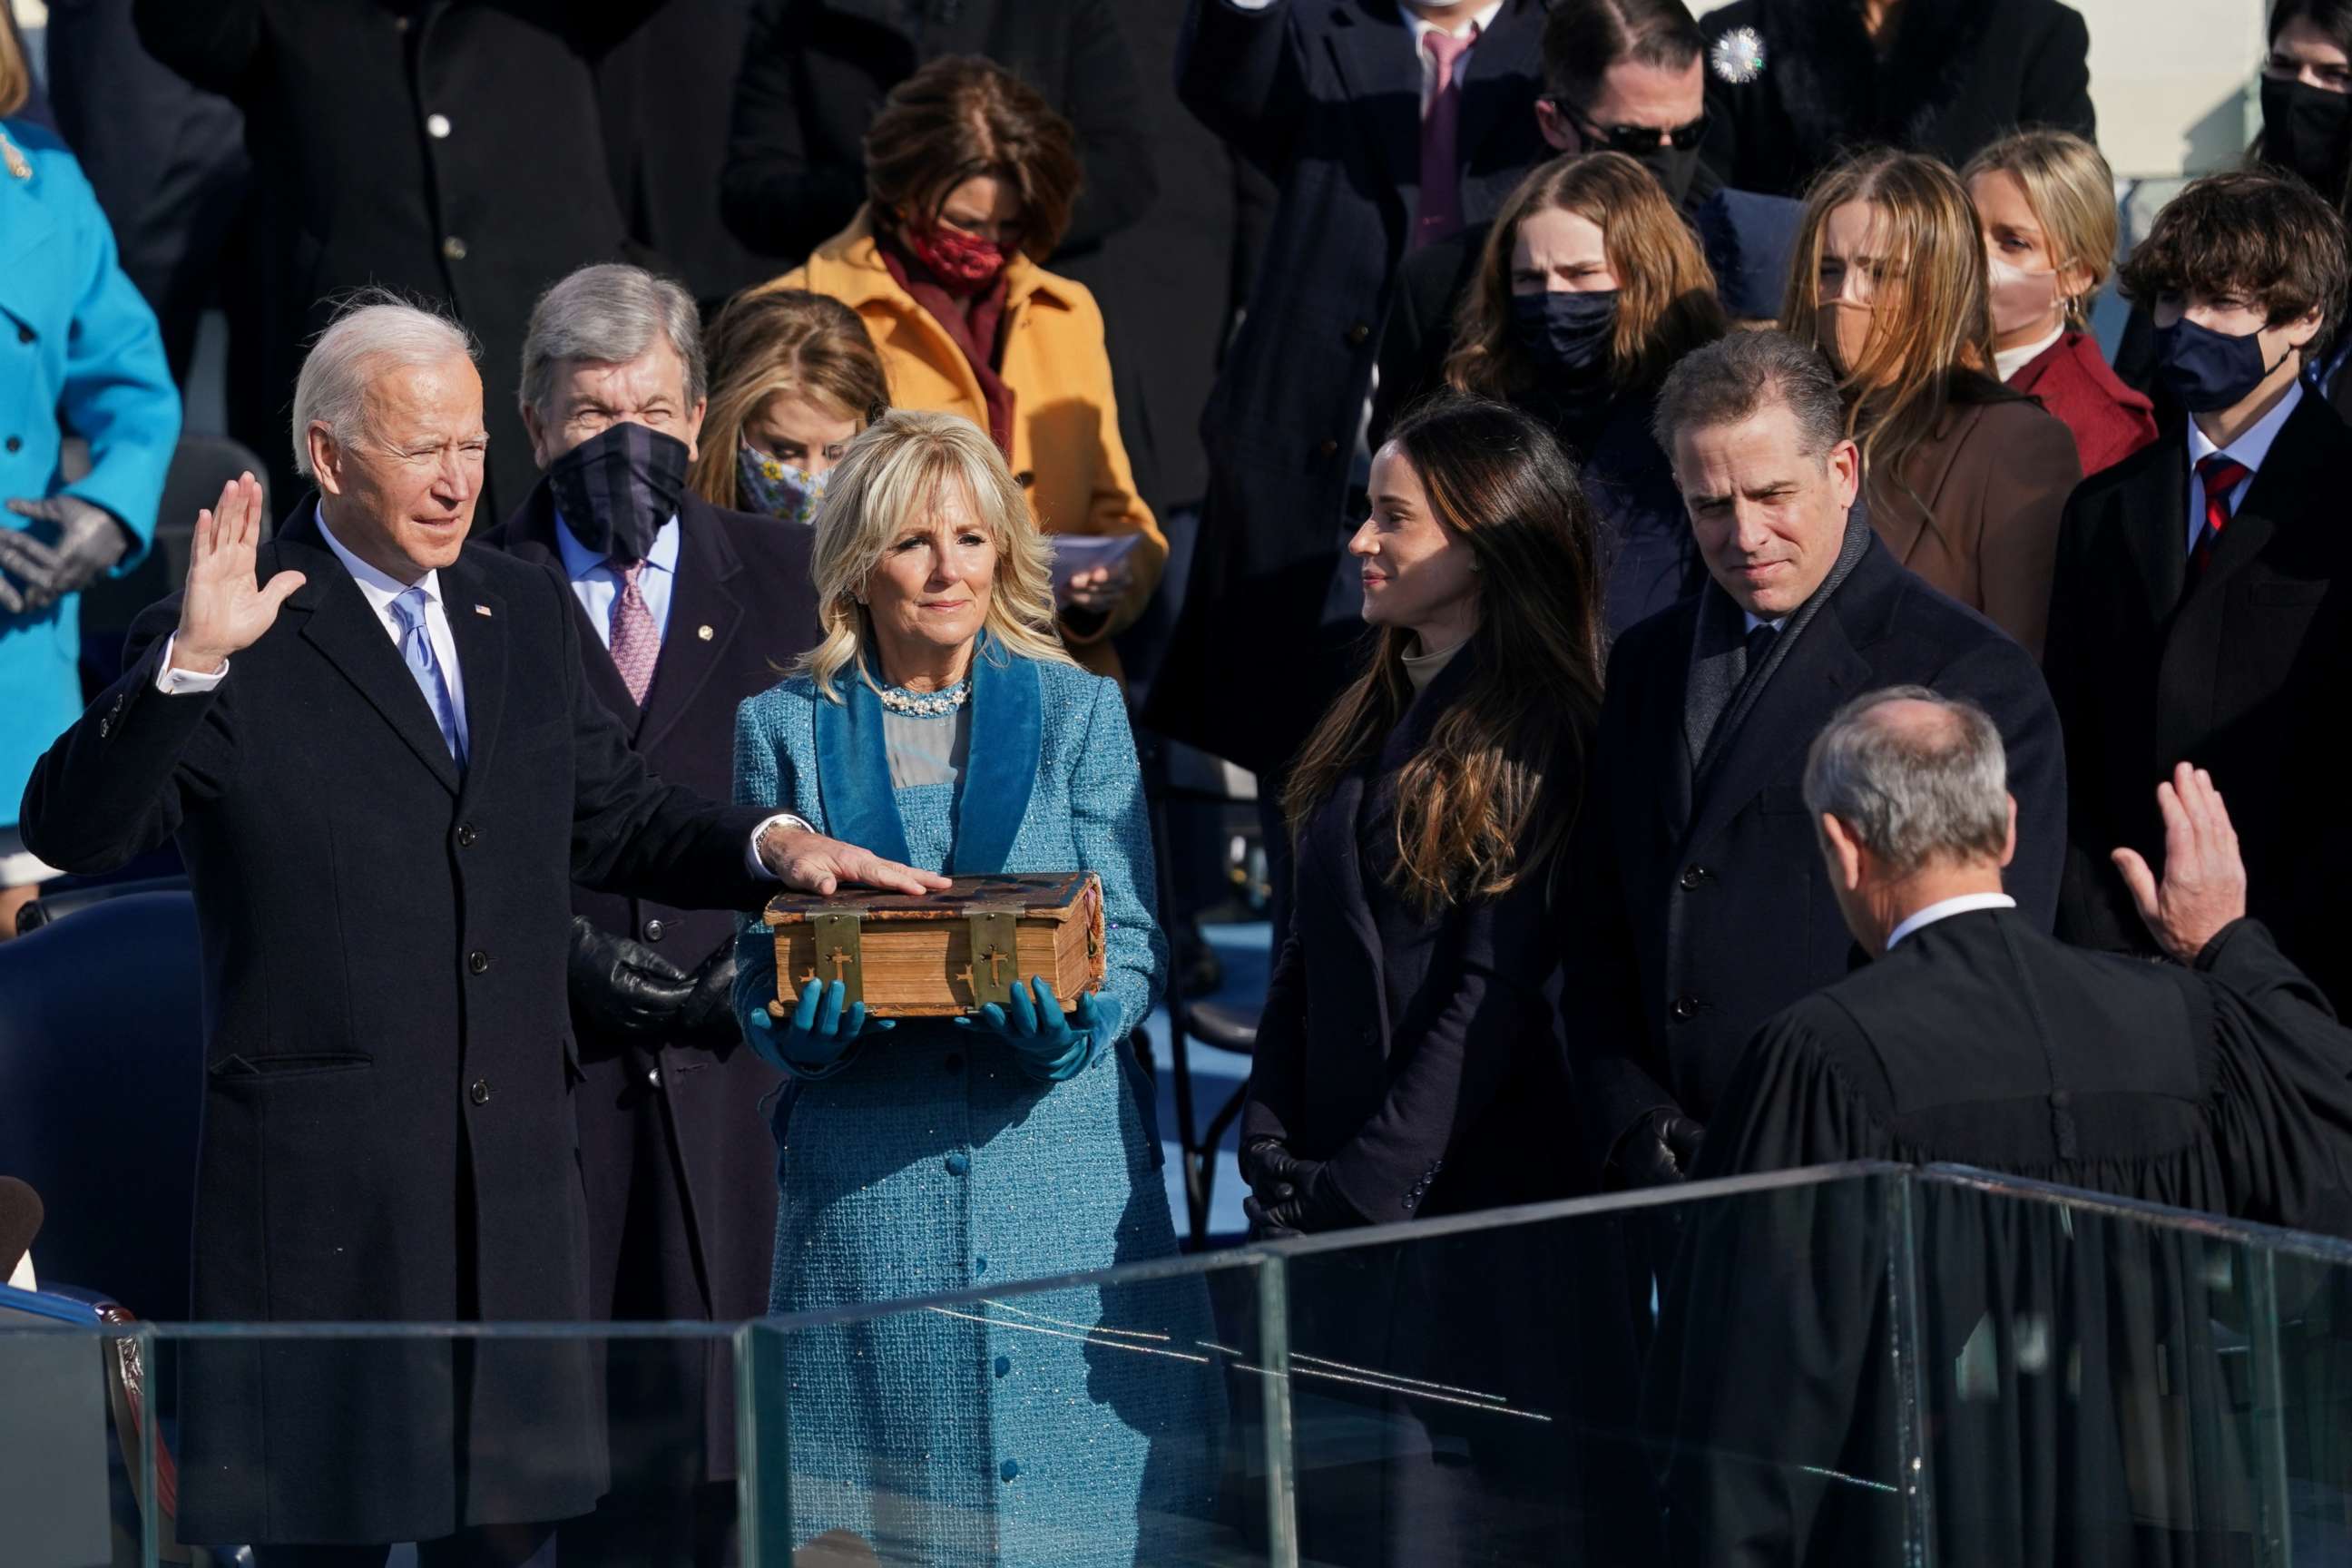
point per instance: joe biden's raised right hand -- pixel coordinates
(223, 609)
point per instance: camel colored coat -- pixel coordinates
(1066, 450)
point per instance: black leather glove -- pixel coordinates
(623, 988)
(89, 542)
(1290, 1196)
(1658, 1151)
(707, 1019)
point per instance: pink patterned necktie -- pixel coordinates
(637, 641)
(1439, 210)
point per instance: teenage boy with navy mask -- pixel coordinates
(2192, 618)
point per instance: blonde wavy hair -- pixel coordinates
(16, 73)
(1931, 341)
(2073, 193)
(891, 477)
(785, 340)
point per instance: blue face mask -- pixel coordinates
(1567, 335)
(766, 484)
(2207, 370)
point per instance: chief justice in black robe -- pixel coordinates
(2073, 1363)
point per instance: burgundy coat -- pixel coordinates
(2071, 379)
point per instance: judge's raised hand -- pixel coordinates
(2204, 886)
(809, 862)
(223, 610)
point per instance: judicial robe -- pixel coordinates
(2074, 1367)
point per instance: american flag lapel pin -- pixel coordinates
(483, 610)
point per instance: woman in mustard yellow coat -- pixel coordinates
(969, 175)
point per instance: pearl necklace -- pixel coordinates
(926, 704)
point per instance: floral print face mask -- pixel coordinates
(770, 485)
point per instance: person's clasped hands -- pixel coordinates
(1289, 1197)
(813, 1041)
(36, 575)
(1051, 1044)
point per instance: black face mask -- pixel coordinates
(1674, 168)
(2207, 370)
(616, 488)
(1568, 336)
(2305, 131)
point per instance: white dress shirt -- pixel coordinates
(2006, 362)
(2250, 449)
(597, 586)
(1754, 621)
(1967, 904)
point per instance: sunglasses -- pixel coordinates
(1632, 140)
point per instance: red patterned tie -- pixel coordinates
(1439, 210)
(636, 642)
(2220, 476)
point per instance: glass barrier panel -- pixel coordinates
(2311, 1283)
(1474, 1391)
(66, 1484)
(1114, 1419)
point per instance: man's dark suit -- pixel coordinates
(2241, 672)
(1707, 908)
(1324, 96)
(388, 1126)
(679, 1164)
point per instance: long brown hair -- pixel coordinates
(961, 117)
(782, 340)
(1507, 758)
(15, 71)
(1931, 339)
(1667, 303)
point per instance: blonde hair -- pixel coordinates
(892, 475)
(16, 73)
(2073, 193)
(782, 340)
(1667, 304)
(1931, 332)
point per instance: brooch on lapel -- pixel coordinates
(1738, 57)
(15, 159)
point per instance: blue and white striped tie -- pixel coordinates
(417, 651)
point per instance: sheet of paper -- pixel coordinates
(1077, 553)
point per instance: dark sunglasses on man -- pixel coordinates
(1632, 140)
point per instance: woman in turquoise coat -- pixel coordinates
(80, 355)
(940, 725)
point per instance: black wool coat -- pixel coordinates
(388, 1128)
(679, 1164)
(452, 150)
(1704, 907)
(1323, 97)
(2238, 672)
(1961, 74)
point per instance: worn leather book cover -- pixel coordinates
(936, 956)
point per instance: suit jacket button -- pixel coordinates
(1358, 332)
(480, 1092)
(466, 836)
(478, 961)
(1327, 448)
(653, 1077)
(1685, 1007)
(1693, 876)
(653, 930)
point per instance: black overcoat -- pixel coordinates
(679, 1162)
(1324, 96)
(452, 150)
(2237, 673)
(1961, 74)
(1705, 907)
(388, 1126)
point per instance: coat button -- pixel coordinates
(466, 836)
(980, 1265)
(437, 127)
(1327, 448)
(1693, 876)
(1025, 477)
(653, 1077)
(453, 248)
(478, 961)
(1009, 1469)
(480, 1092)
(1003, 1366)
(1358, 332)
(16, 443)
(24, 334)
(1685, 1007)
(957, 1164)
(653, 930)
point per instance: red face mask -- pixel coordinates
(964, 262)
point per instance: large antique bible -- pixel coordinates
(941, 954)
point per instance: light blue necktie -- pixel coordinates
(416, 649)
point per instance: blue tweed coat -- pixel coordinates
(1073, 1427)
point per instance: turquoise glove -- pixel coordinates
(1051, 1044)
(812, 1042)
